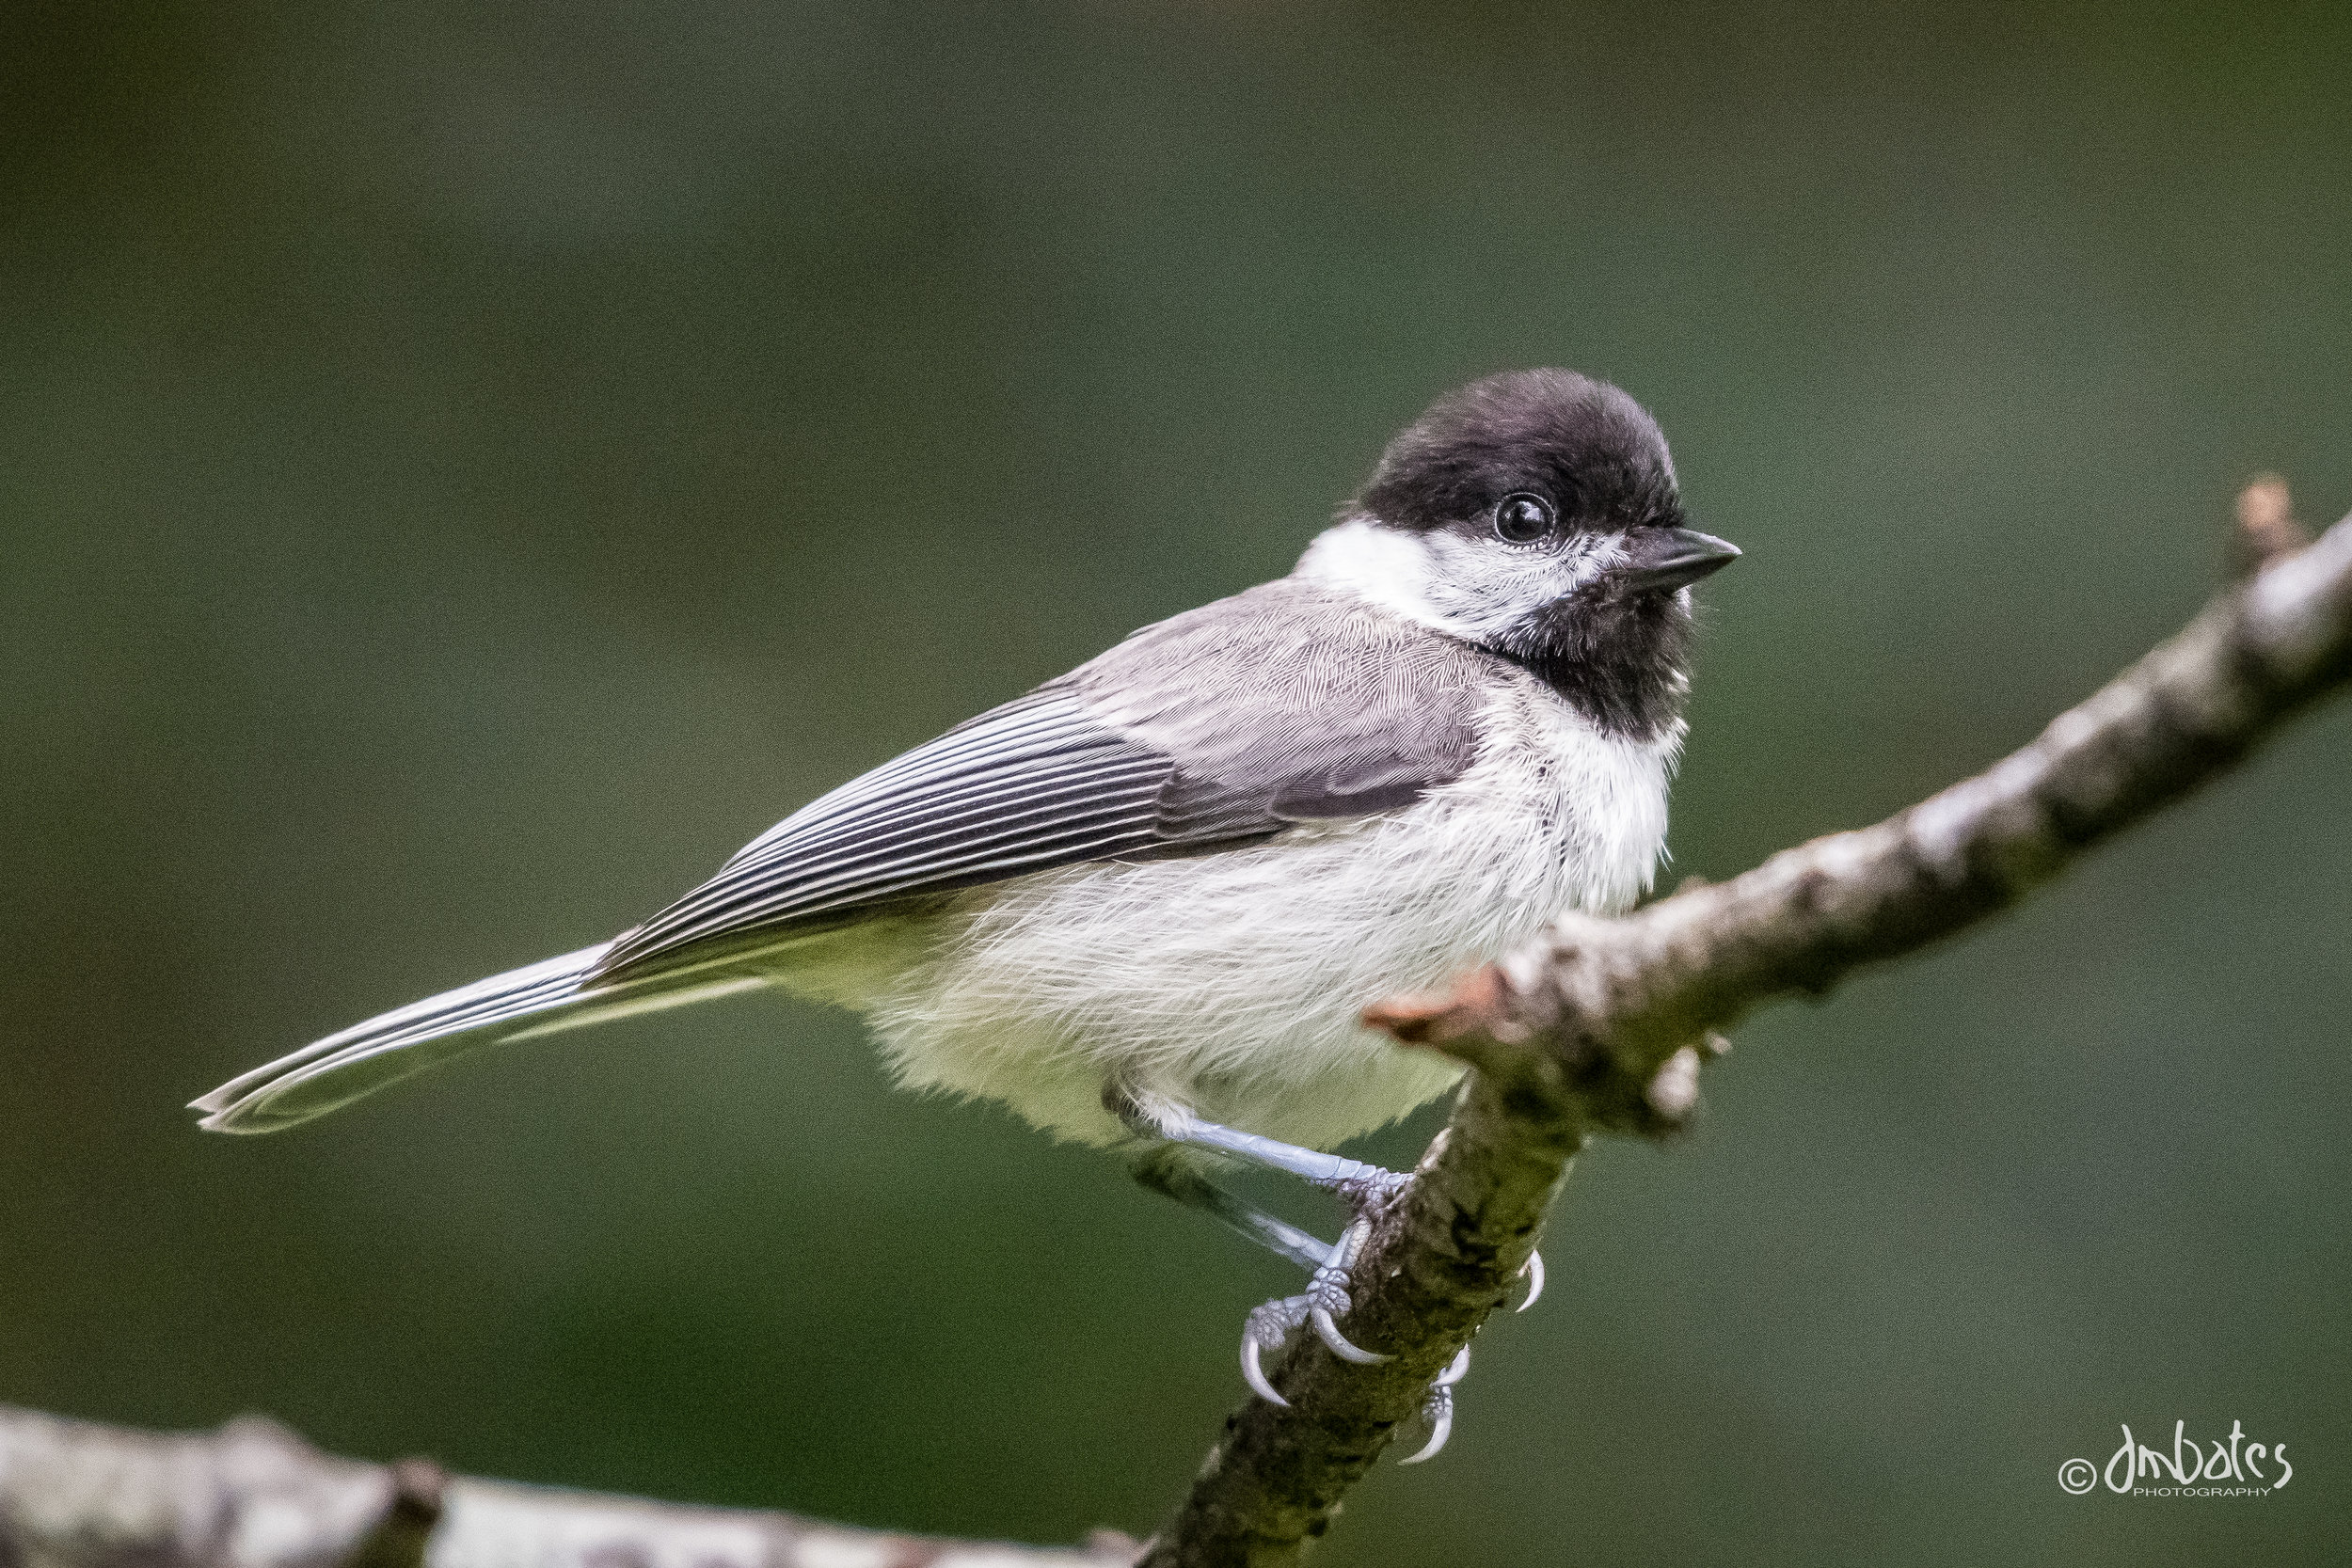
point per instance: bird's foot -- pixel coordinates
(1271, 1326)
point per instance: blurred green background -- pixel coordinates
(466, 468)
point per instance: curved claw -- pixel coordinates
(1254, 1374)
(1268, 1326)
(1439, 1410)
(1456, 1370)
(1329, 1332)
(1532, 1270)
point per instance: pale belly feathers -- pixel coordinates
(1233, 982)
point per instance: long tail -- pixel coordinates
(542, 999)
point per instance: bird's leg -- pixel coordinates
(1364, 1188)
(1167, 1168)
(1360, 1184)
(1153, 1115)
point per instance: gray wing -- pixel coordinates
(1223, 726)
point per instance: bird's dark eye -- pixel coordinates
(1522, 518)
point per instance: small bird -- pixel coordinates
(1145, 905)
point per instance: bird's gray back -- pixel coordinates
(1293, 701)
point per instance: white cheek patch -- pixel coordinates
(1386, 566)
(1467, 588)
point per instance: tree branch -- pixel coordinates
(1603, 1025)
(76, 1494)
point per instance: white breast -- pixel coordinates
(1233, 981)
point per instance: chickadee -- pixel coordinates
(1145, 904)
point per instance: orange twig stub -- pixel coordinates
(1478, 1001)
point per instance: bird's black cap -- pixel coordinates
(1587, 446)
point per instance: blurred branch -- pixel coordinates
(1603, 1025)
(75, 1495)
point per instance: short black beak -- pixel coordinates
(1661, 560)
